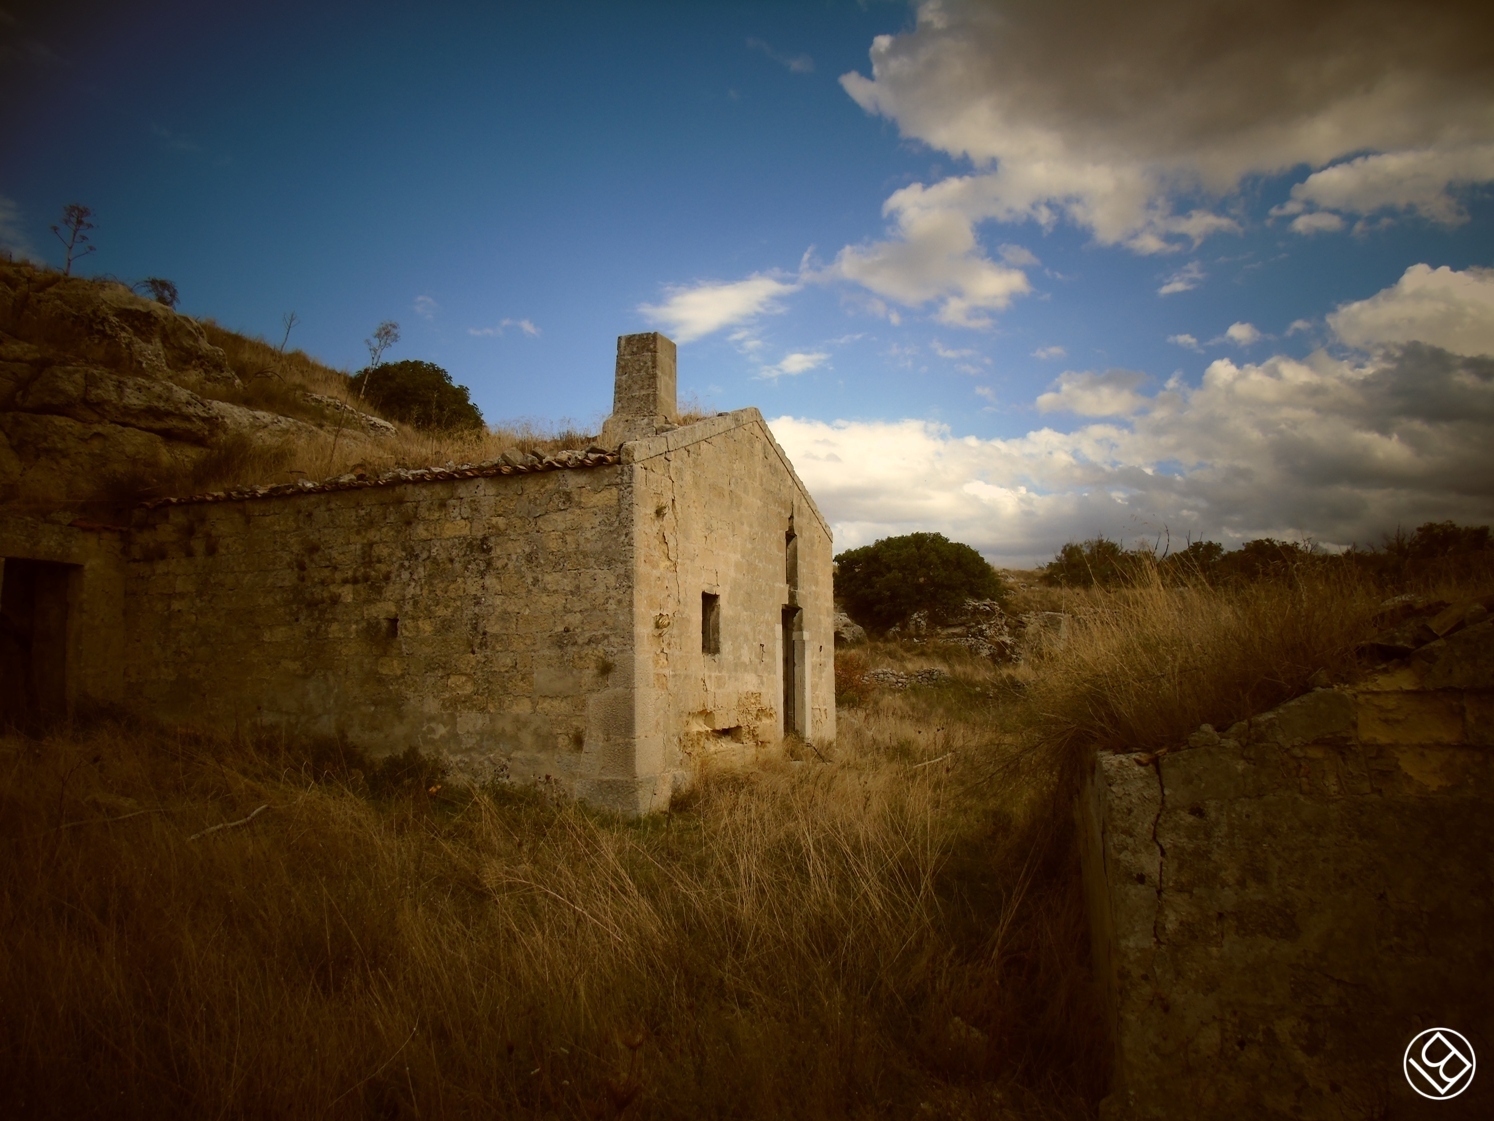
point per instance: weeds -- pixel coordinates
(820, 939)
(891, 927)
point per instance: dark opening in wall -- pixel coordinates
(710, 623)
(33, 640)
(793, 722)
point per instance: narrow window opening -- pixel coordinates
(710, 623)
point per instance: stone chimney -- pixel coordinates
(643, 400)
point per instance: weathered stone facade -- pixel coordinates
(1279, 910)
(603, 621)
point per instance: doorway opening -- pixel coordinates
(34, 598)
(793, 719)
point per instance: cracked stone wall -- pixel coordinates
(1278, 911)
(715, 502)
(487, 619)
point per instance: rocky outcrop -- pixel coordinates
(980, 626)
(1279, 908)
(98, 383)
(104, 324)
(847, 632)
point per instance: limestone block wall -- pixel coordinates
(1279, 910)
(489, 619)
(715, 502)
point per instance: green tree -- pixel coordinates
(1439, 539)
(881, 585)
(1085, 564)
(418, 393)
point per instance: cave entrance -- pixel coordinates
(34, 603)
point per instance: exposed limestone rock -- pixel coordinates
(105, 324)
(51, 460)
(372, 424)
(93, 396)
(99, 383)
(847, 633)
(980, 626)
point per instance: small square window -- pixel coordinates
(710, 623)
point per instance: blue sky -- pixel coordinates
(1019, 272)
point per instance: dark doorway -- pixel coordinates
(791, 722)
(33, 640)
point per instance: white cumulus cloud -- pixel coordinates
(1322, 447)
(932, 257)
(1113, 393)
(1417, 180)
(426, 307)
(1187, 278)
(1242, 334)
(692, 311)
(1339, 449)
(798, 362)
(525, 325)
(1136, 121)
(1317, 222)
(1442, 307)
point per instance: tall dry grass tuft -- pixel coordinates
(829, 939)
(1144, 666)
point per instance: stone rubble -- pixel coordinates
(896, 679)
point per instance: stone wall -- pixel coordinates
(1279, 910)
(488, 619)
(715, 502)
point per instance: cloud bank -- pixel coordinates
(1336, 448)
(1135, 120)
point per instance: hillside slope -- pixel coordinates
(107, 395)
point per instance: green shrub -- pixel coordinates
(419, 393)
(1099, 562)
(880, 585)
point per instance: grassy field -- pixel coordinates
(889, 926)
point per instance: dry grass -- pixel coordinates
(852, 938)
(892, 928)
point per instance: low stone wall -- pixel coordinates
(1279, 910)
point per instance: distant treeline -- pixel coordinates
(1101, 562)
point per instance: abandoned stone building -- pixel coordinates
(603, 621)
